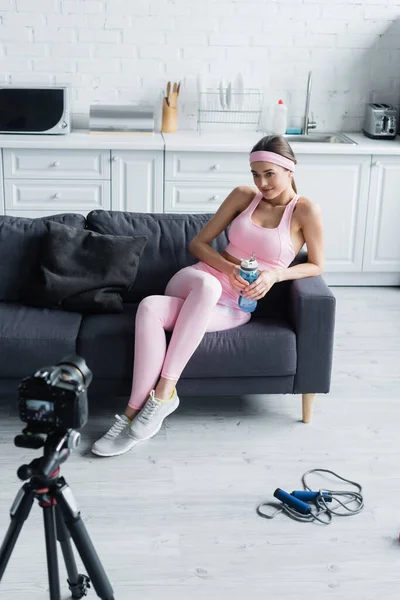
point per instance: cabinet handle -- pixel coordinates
(377, 163)
(56, 164)
(216, 167)
(57, 195)
(115, 158)
(214, 198)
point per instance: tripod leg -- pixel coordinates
(51, 548)
(78, 584)
(19, 512)
(83, 543)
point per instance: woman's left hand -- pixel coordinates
(261, 286)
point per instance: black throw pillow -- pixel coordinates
(83, 271)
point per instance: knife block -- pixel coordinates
(169, 122)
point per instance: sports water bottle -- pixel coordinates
(249, 271)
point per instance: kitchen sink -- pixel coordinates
(321, 138)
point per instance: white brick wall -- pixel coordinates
(126, 50)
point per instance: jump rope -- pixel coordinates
(309, 505)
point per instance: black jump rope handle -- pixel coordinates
(311, 496)
(298, 498)
(293, 502)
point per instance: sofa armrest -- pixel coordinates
(312, 307)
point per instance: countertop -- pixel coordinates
(244, 141)
(82, 139)
(191, 140)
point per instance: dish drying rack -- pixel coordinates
(230, 107)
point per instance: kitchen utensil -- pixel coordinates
(173, 102)
(174, 96)
(168, 92)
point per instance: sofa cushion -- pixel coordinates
(261, 348)
(167, 246)
(19, 245)
(31, 338)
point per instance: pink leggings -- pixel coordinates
(189, 309)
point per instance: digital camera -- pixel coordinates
(56, 396)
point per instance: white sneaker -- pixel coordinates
(149, 420)
(117, 440)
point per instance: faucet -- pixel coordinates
(307, 124)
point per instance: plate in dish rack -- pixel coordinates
(222, 93)
(239, 91)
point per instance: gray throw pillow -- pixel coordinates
(83, 271)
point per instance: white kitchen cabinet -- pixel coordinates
(207, 166)
(42, 182)
(137, 180)
(198, 182)
(1, 184)
(356, 187)
(382, 240)
(339, 184)
(38, 163)
(56, 195)
(188, 197)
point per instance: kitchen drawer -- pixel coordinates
(56, 195)
(212, 166)
(194, 198)
(56, 164)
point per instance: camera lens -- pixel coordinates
(79, 363)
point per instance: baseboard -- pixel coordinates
(362, 279)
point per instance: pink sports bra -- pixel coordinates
(271, 246)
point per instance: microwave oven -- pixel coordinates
(35, 110)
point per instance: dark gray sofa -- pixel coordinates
(286, 348)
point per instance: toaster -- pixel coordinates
(380, 121)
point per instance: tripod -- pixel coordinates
(61, 517)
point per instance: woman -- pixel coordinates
(274, 223)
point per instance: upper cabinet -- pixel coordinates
(137, 180)
(382, 242)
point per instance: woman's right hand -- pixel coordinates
(237, 282)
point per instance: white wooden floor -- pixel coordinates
(175, 518)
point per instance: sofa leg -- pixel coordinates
(308, 402)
